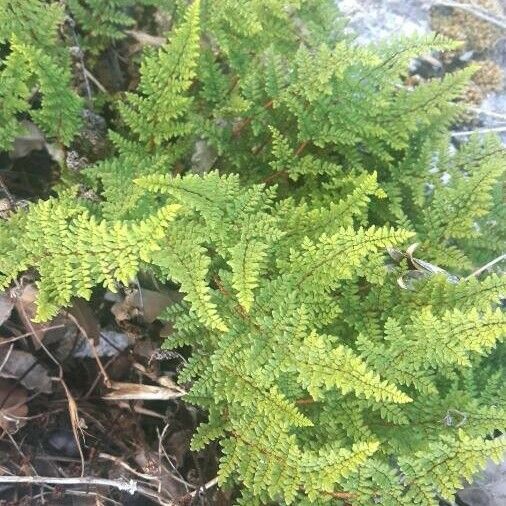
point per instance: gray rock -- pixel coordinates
(488, 488)
(372, 20)
(474, 496)
(203, 157)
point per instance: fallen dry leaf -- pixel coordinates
(75, 422)
(419, 268)
(26, 308)
(125, 309)
(13, 406)
(32, 139)
(110, 343)
(23, 366)
(145, 39)
(6, 305)
(85, 319)
(61, 331)
(152, 303)
(134, 391)
(146, 303)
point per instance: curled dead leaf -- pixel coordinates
(419, 268)
(407, 280)
(134, 391)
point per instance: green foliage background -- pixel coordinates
(265, 164)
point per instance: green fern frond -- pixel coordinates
(164, 79)
(444, 465)
(339, 368)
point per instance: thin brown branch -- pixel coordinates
(124, 465)
(140, 409)
(283, 173)
(175, 474)
(207, 486)
(123, 485)
(99, 375)
(6, 358)
(95, 81)
(28, 334)
(304, 402)
(341, 495)
(237, 130)
(301, 148)
(275, 175)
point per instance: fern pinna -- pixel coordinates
(333, 366)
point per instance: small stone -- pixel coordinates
(63, 442)
(474, 497)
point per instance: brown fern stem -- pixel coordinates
(245, 122)
(304, 402)
(283, 173)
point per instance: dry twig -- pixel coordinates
(72, 406)
(476, 11)
(6, 358)
(477, 272)
(139, 409)
(491, 114)
(130, 486)
(479, 131)
(200, 490)
(28, 334)
(94, 80)
(176, 475)
(124, 465)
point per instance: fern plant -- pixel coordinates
(335, 366)
(103, 22)
(35, 75)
